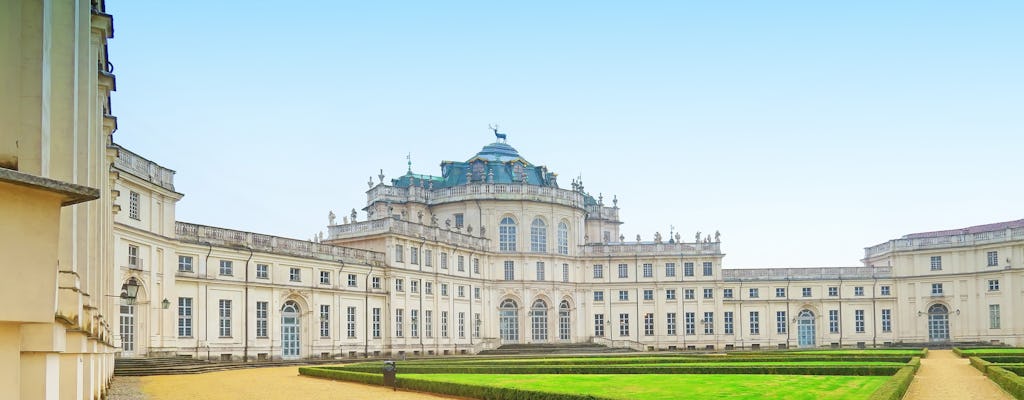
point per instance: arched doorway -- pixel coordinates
(805, 331)
(539, 321)
(564, 318)
(290, 330)
(508, 321)
(938, 323)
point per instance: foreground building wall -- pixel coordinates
(56, 201)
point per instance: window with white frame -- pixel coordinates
(294, 275)
(780, 322)
(727, 293)
(624, 324)
(623, 270)
(461, 320)
(428, 288)
(262, 318)
(708, 269)
(444, 324)
(133, 205)
(325, 320)
(444, 289)
(414, 323)
(399, 253)
(709, 323)
(936, 289)
(350, 322)
(886, 290)
(375, 282)
(399, 285)
(226, 268)
(670, 324)
(806, 292)
(477, 322)
(993, 258)
(460, 263)
(428, 258)
(598, 271)
(649, 324)
(858, 321)
(670, 270)
(563, 238)
(936, 263)
(886, 320)
(833, 291)
(599, 325)
(993, 285)
(688, 294)
(351, 281)
(376, 323)
(623, 295)
(565, 272)
(184, 263)
(399, 323)
(994, 321)
(414, 255)
(224, 315)
(185, 317)
(727, 323)
(648, 294)
(690, 323)
(858, 290)
(670, 294)
(538, 236)
(476, 293)
(507, 235)
(598, 295)
(460, 220)
(460, 291)
(780, 292)
(755, 323)
(325, 277)
(428, 324)
(833, 321)
(133, 257)
(540, 270)
(262, 271)
(444, 260)
(476, 265)
(688, 269)
(709, 293)
(510, 270)
(414, 286)
(648, 270)
(752, 293)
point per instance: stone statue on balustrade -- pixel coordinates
(696, 239)
(638, 238)
(331, 218)
(345, 219)
(679, 239)
(354, 215)
(718, 237)
(657, 237)
(320, 237)
(622, 238)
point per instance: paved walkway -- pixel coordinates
(283, 383)
(943, 375)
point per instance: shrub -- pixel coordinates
(980, 364)
(1009, 381)
(895, 387)
(781, 369)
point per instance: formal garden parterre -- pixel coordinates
(833, 374)
(1004, 366)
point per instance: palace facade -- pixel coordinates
(493, 251)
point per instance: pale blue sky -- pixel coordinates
(802, 130)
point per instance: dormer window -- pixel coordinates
(518, 173)
(478, 171)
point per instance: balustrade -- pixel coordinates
(201, 234)
(143, 168)
(1002, 235)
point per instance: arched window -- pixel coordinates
(563, 321)
(539, 314)
(290, 330)
(508, 321)
(507, 234)
(538, 236)
(563, 238)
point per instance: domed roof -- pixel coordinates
(497, 152)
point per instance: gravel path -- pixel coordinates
(283, 383)
(943, 375)
(125, 388)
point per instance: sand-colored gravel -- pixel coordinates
(943, 375)
(283, 383)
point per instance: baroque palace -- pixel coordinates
(492, 251)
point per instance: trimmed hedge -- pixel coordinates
(851, 370)
(896, 387)
(454, 389)
(1009, 381)
(1002, 359)
(650, 360)
(979, 363)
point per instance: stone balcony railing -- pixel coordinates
(597, 211)
(938, 242)
(652, 249)
(795, 274)
(202, 234)
(136, 165)
(474, 191)
(405, 228)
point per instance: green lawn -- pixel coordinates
(901, 352)
(1001, 351)
(654, 387)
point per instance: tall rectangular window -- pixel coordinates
(690, 322)
(780, 322)
(444, 324)
(399, 323)
(262, 271)
(598, 271)
(623, 271)
(755, 323)
(376, 323)
(428, 324)
(476, 265)
(414, 286)
(399, 253)
(399, 285)
(226, 268)
(648, 270)
(262, 317)
(184, 317)
(670, 270)
(599, 325)
(133, 206)
(540, 270)
(833, 321)
(510, 270)
(461, 290)
(565, 272)
(648, 324)
(727, 323)
(444, 260)
(414, 256)
(886, 320)
(460, 219)
(460, 263)
(858, 320)
(476, 293)
(428, 288)
(350, 322)
(709, 323)
(444, 289)
(133, 257)
(461, 324)
(993, 258)
(477, 323)
(325, 321)
(414, 323)
(224, 314)
(708, 269)
(670, 324)
(623, 324)
(994, 321)
(184, 263)
(428, 258)
(294, 275)
(936, 262)
(688, 269)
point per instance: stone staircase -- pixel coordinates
(187, 365)
(552, 348)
